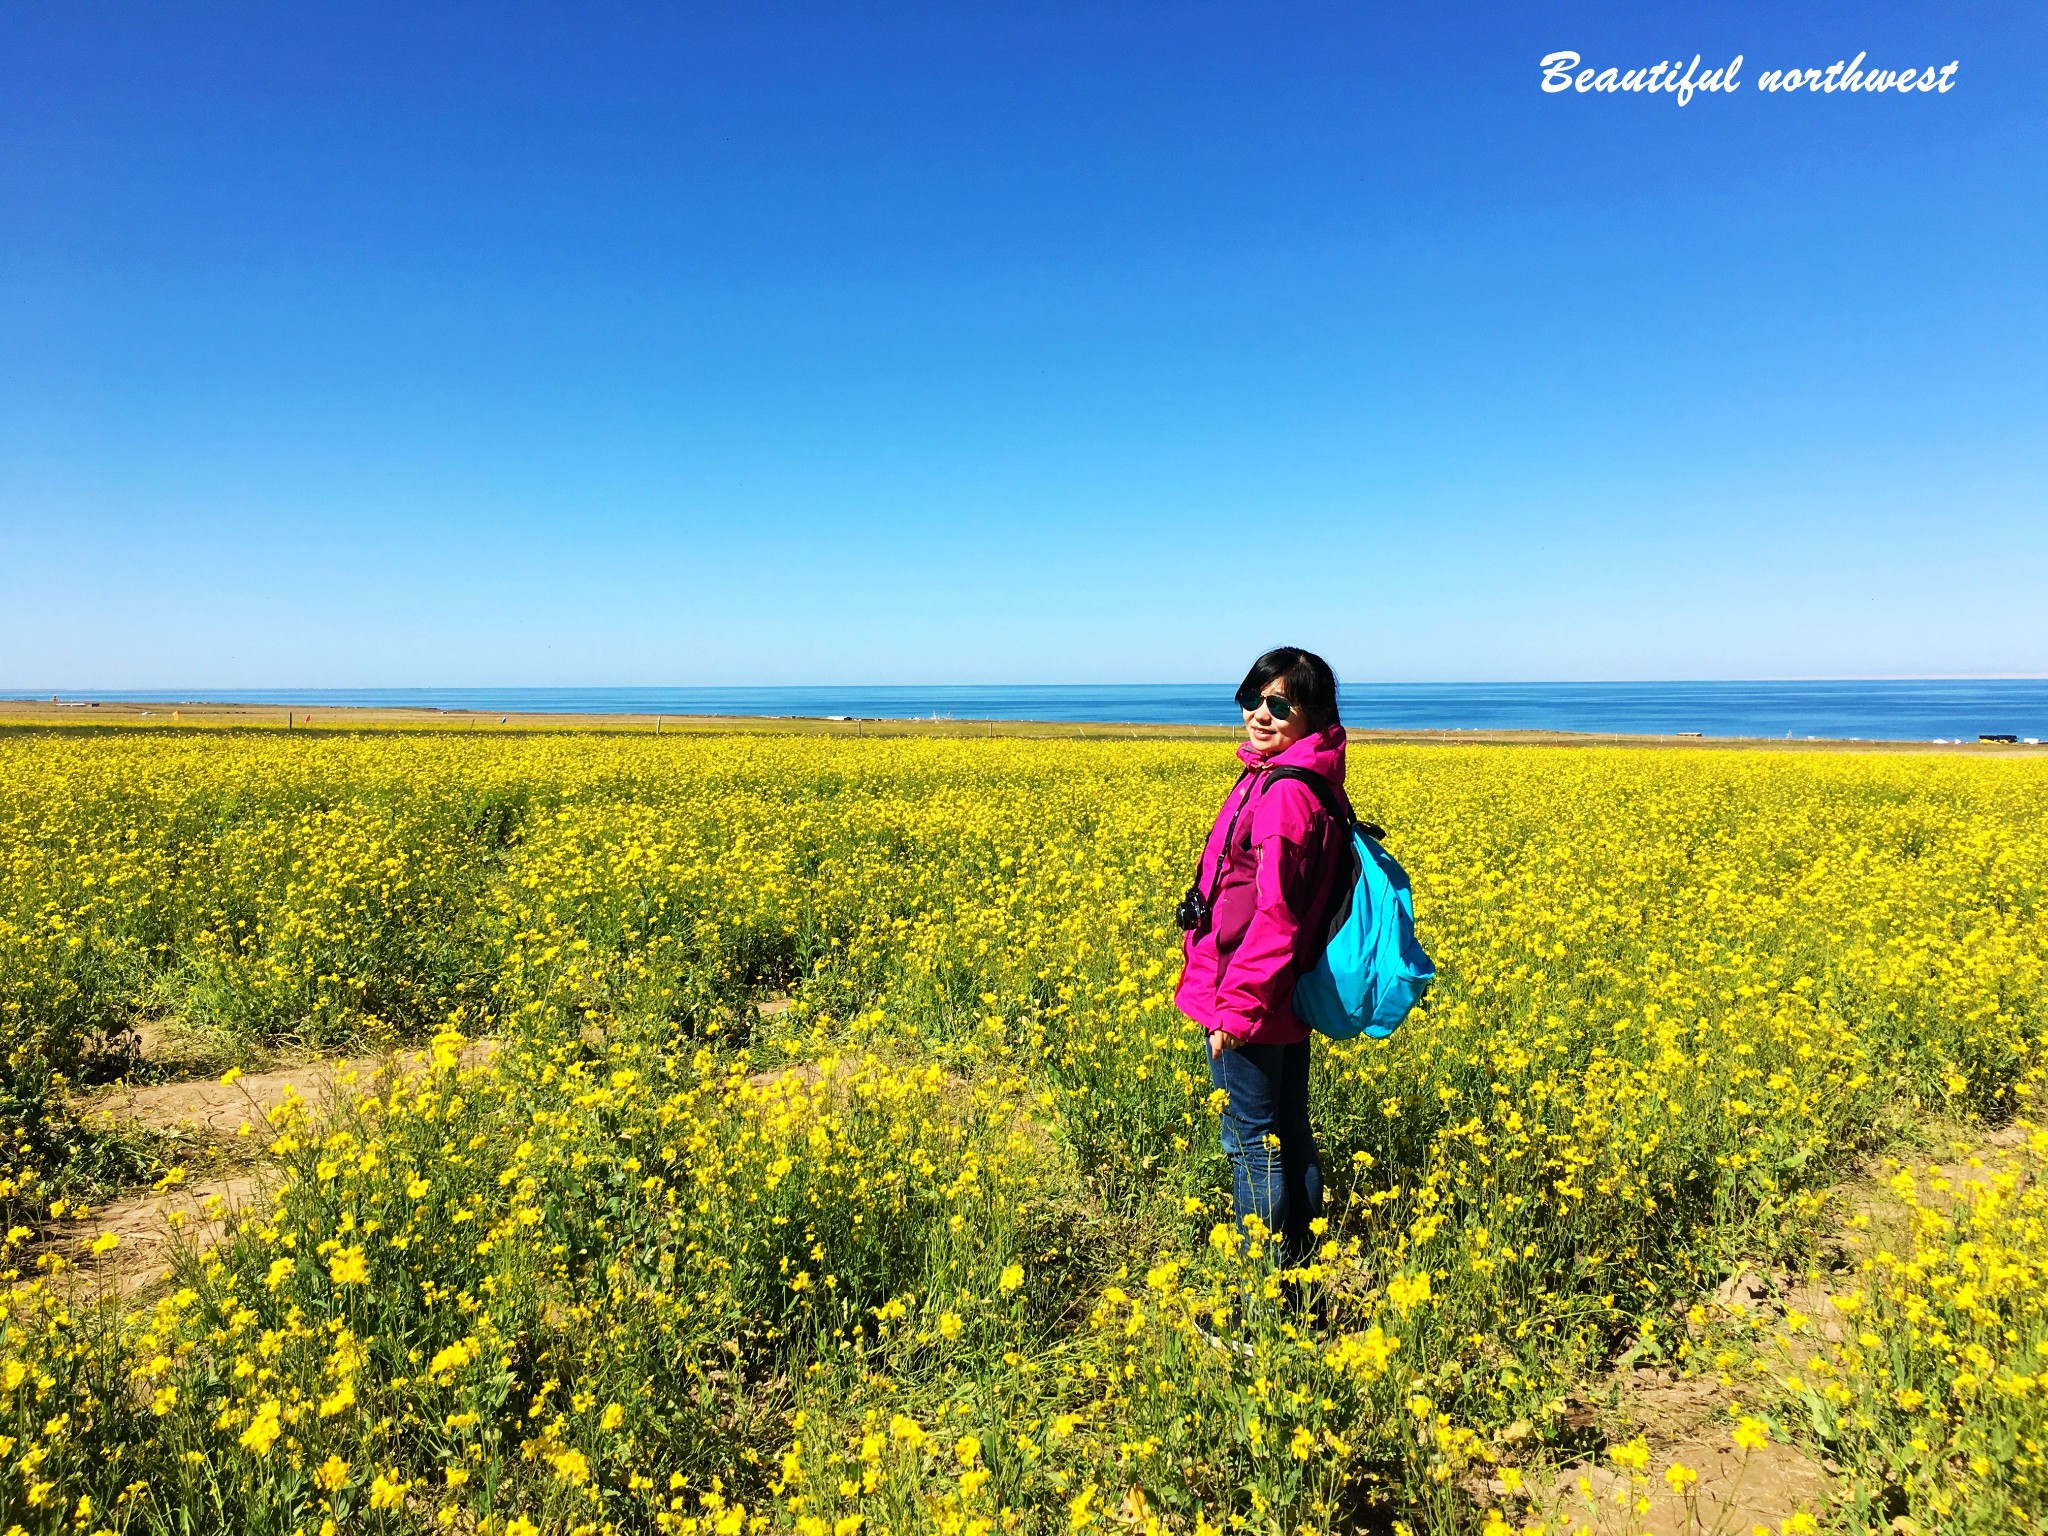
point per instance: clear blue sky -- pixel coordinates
(768, 343)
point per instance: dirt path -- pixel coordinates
(233, 1116)
(1874, 1215)
(1687, 1420)
(1684, 1422)
(215, 1109)
(147, 1229)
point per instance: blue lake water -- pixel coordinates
(1895, 711)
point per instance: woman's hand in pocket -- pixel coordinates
(1221, 1040)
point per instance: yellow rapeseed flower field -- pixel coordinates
(942, 1246)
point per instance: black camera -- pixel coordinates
(1192, 915)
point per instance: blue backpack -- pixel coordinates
(1371, 971)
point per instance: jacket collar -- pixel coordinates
(1322, 752)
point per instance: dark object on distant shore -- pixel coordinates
(1692, 735)
(1989, 736)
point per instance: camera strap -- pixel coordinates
(1223, 848)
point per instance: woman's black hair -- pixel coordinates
(1311, 684)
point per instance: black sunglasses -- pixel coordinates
(1249, 699)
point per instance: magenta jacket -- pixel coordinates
(1272, 900)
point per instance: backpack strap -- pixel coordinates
(1340, 811)
(1320, 785)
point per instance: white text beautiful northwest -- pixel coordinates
(1561, 72)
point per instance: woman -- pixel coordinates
(1269, 873)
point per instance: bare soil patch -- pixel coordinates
(217, 1109)
(1685, 1421)
(149, 1227)
(232, 1117)
(1873, 1214)
(1736, 1491)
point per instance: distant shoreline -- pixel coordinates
(136, 714)
(1921, 710)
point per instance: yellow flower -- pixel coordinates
(349, 1267)
(1680, 1477)
(612, 1418)
(332, 1474)
(106, 1242)
(263, 1429)
(387, 1491)
(1366, 1354)
(447, 1050)
(1012, 1278)
(949, 1325)
(1407, 1292)
(1634, 1454)
(1751, 1435)
(1081, 1511)
(447, 1362)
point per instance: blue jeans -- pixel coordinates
(1275, 1173)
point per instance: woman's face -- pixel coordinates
(1268, 735)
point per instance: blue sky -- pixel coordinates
(767, 343)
